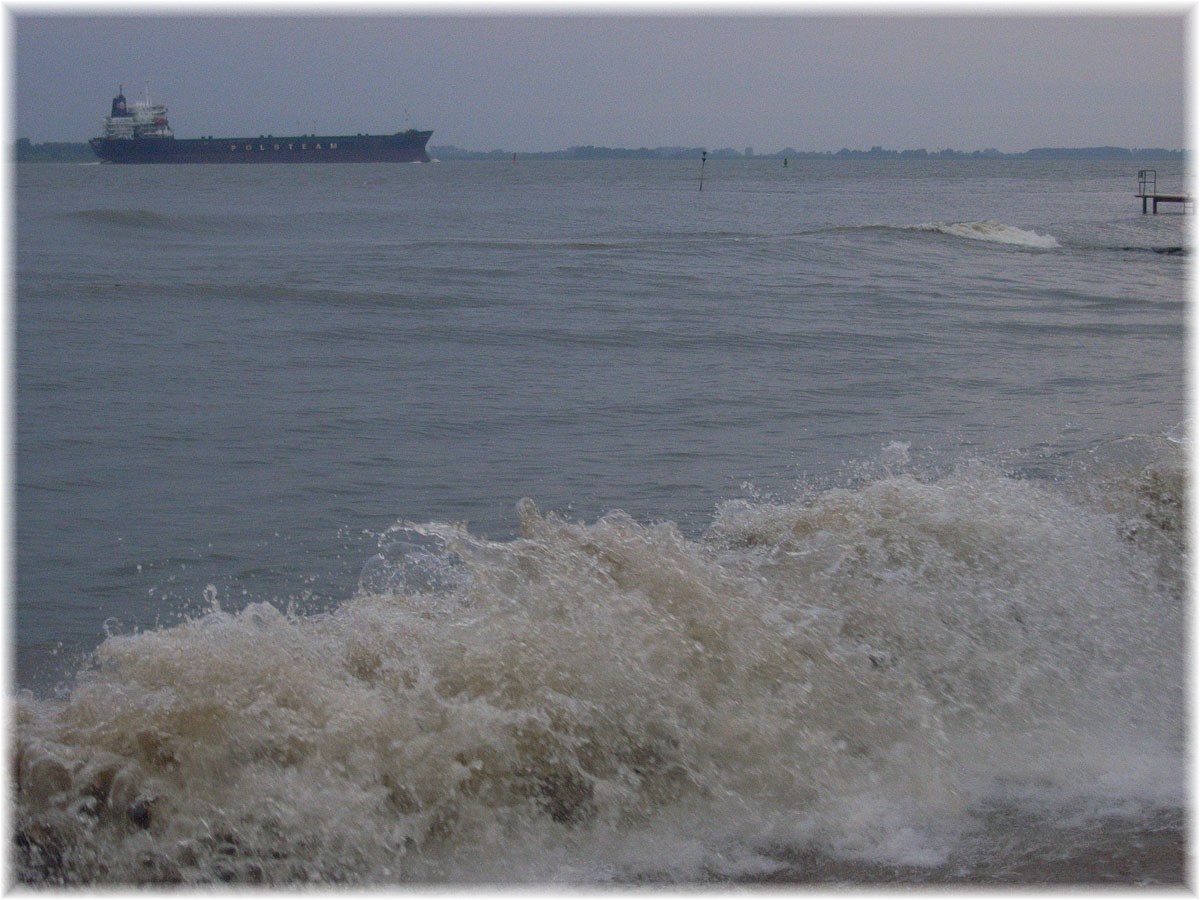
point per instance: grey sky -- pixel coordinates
(527, 82)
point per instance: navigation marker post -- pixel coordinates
(703, 157)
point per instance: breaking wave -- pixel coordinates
(988, 231)
(861, 672)
(996, 232)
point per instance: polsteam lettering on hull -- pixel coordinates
(408, 146)
(140, 133)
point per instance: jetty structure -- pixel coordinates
(1148, 191)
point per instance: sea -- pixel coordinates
(599, 523)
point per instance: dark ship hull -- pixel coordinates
(405, 146)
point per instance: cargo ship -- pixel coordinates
(140, 133)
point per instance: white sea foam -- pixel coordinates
(860, 671)
(996, 232)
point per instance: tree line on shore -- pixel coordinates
(592, 152)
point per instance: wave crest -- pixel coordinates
(995, 232)
(616, 700)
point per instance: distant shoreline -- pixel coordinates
(67, 152)
(590, 152)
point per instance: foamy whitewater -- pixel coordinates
(862, 671)
(995, 231)
(931, 657)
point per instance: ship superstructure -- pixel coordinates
(137, 121)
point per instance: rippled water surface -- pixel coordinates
(560, 521)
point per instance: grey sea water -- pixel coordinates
(562, 521)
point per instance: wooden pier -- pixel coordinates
(1148, 191)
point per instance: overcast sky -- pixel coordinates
(544, 82)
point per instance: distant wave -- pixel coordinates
(187, 222)
(988, 230)
(995, 232)
(127, 218)
(596, 242)
(1176, 250)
